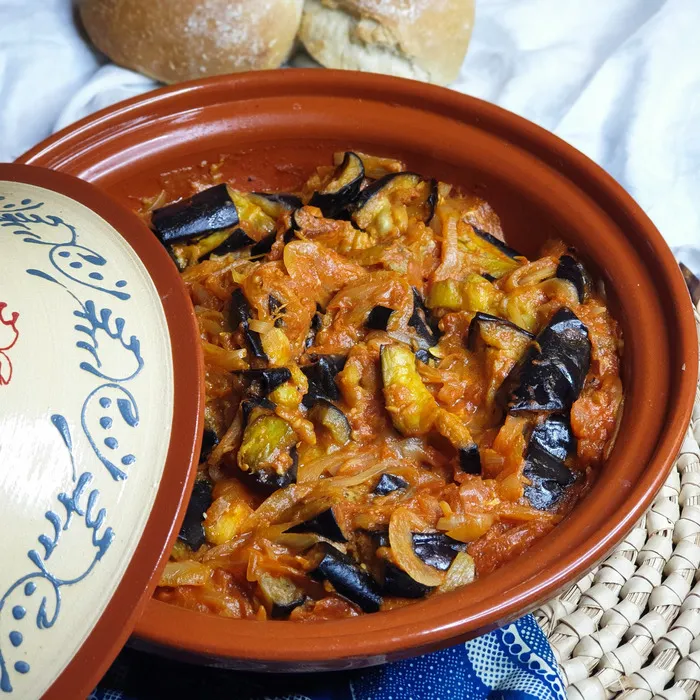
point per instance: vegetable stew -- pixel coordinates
(397, 401)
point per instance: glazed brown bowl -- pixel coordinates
(272, 129)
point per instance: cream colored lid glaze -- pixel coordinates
(86, 406)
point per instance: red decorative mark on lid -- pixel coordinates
(8, 337)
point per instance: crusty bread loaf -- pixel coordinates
(173, 40)
(421, 39)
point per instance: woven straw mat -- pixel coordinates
(630, 629)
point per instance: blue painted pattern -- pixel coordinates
(106, 351)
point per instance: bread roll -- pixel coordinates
(173, 40)
(422, 39)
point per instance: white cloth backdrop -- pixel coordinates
(619, 79)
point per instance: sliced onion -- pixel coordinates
(461, 572)
(260, 326)
(355, 479)
(227, 548)
(298, 541)
(471, 527)
(185, 573)
(401, 527)
(276, 506)
(228, 443)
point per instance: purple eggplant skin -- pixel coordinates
(422, 321)
(510, 252)
(572, 270)
(316, 325)
(348, 579)
(331, 420)
(378, 318)
(271, 481)
(247, 406)
(324, 524)
(388, 483)
(469, 459)
(267, 379)
(550, 376)
(347, 181)
(551, 442)
(240, 314)
(192, 530)
(209, 441)
(433, 548)
(321, 377)
(398, 583)
(376, 189)
(554, 436)
(276, 203)
(263, 246)
(205, 212)
(432, 200)
(267, 479)
(424, 356)
(236, 241)
(480, 319)
(437, 549)
(549, 479)
(274, 305)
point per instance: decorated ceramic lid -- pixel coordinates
(100, 403)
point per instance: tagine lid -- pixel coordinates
(100, 410)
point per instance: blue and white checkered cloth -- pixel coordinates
(511, 663)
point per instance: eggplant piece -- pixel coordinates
(424, 356)
(348, 579)
(276, 308)
(421, 320)
(268, 452)
(316, 325)
(332, 420)
(548, 478)
(378, 318)
(280, 595)
(485, 327)
(492, 257)
(209, 441)
(432, 200)
(433, 548)
(324, 524)
(192, 530)
(555, 437)
(550, 376)
(247, 406)
(388, 483)
(437, 549)
(550, 444)
(343, 189)
(321, 377)
(398, 583)
(237, 240)
(274, 204)
(205, 212)
(411, 406)
(469, 459)
(374, 203)
(496, 242)
(239, 315)
(263, 246)
(267, 379)
(572, 270)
